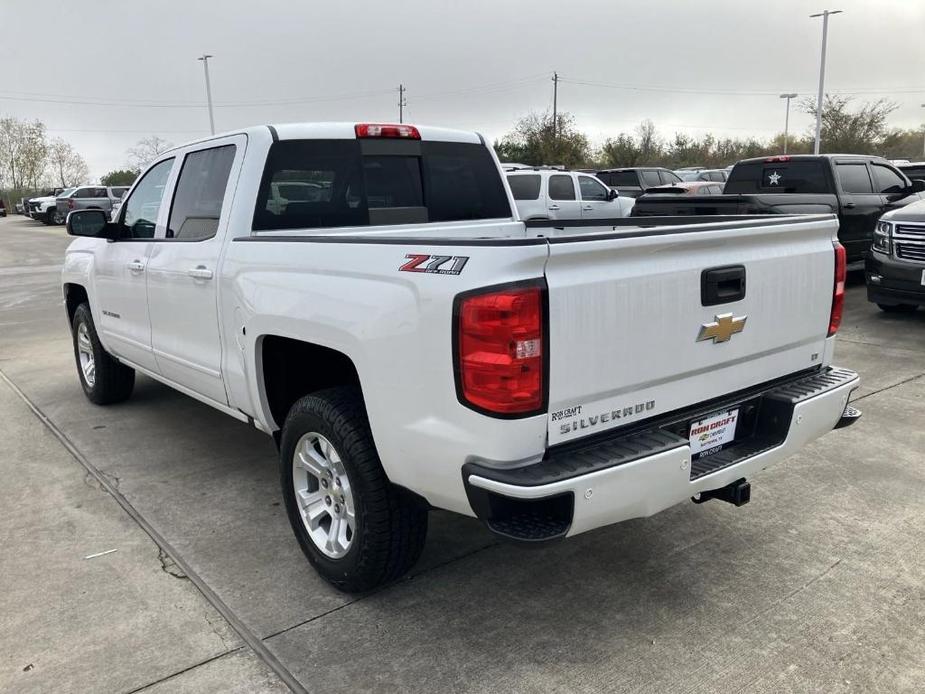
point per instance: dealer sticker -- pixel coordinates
(710, 434)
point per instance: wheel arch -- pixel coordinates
(74, 295)
(289, 368)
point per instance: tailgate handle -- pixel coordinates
(722, 285)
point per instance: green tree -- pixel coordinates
(119, 177)
(536, 140)
(851, 131)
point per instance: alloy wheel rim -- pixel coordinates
(323, 495)
(85, 355)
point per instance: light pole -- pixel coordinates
(923, 141)
(205, 66)
(825, 33)
(788, 97)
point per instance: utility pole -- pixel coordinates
(402, 102)
(825, 33)
(555, 104)
(205, 66)
(788, 97)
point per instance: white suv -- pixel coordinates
(554, 194)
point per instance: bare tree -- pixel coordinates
(23, 151)
(67, 167)
(146, 151)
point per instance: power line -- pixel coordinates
(734, 92)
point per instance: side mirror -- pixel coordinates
(92, 223)
(613, 194)
(918, 185)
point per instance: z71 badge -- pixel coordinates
(435, 264)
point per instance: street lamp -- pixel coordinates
(205, 66)
(923, 141)
(825, 32)
(788, 97)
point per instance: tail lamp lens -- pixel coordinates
(500, 350)
(838, 291)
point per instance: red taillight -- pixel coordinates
(782, 157)
(500, 350)
(407, 132)
(838, 290)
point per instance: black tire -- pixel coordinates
(49, 217)
(898, 308)
(59, 218)
(391, 524)
(113, 382)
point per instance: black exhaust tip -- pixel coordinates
(737, 493)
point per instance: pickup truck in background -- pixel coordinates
(859, 189)
(633, 182)
(410, 343)
(104, 198)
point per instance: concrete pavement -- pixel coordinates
(816, 585)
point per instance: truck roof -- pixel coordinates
(343, 130)
(808, 157)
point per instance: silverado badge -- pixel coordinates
(722, 328)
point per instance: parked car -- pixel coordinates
(410, 343)
(554, 194)
(716, 175)
(859, 189)
(686, 188)
(913, 170)
(633, 182)
(88, 198)
(2, 208)
(895, 268)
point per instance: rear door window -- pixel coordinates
(854, 178)
(200, 194)
(561, 187)
(650, 179)
(525, 187)
(338, 183)
(624, 179)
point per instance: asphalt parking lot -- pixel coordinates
(818, 585)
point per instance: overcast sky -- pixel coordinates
(103, 74)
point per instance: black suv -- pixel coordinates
(896, 265)
(635, 181)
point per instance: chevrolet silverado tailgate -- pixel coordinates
(644, 321)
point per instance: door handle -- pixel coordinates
(850, 205)
(587, 207)
(553, 207)
(200, 272)
(136, 266)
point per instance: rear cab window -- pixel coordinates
(624, 179)
(793, 176)
(343, 183)
(854, 177)
(650, 179)
(561, 187)
(525, 187)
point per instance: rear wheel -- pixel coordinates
(103, 379)
(357, 529)
(897, 308)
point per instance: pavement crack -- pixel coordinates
(168, 565)
(792, 593)
(890, 387)
(166, 678)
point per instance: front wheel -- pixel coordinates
(897, 308)
(60, 217)
(357, 529)
(104, 380)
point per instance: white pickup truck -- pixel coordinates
(411, 344)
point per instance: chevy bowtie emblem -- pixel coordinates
(721, 329)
